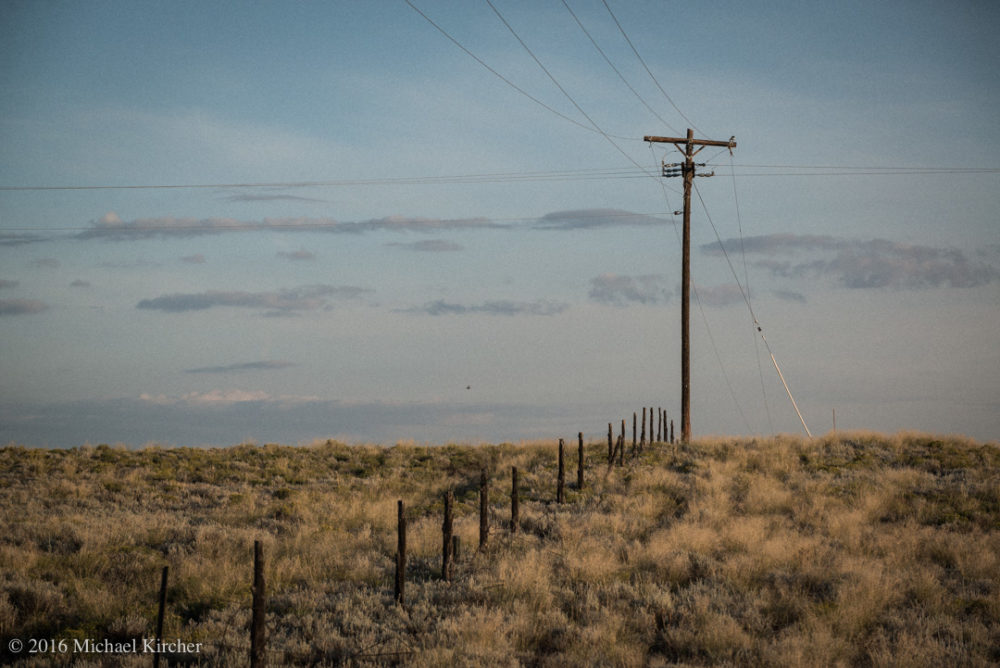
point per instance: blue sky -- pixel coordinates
(381, 239)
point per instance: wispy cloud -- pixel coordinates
(276, 197)
(427, 245)
(264, 365)
(111, 227)
(877, 263)
(595, 218)
(303, 298)
(492, 307)
(790, 296)
(298, 255)
(20, 239)
(21, 306)
(719, 295)
(619, 290)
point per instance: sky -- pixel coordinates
(439, 222)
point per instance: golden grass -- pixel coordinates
(849, 549)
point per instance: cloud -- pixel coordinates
(21, 306)
(46, 262)
(197, 258)
(249, 197)
(492, 307)
(211, 398)
(79, 283)
(298, 255)
(4, 283)
(111, 227)
(20, 239)
(303, 298)
(719, 295)
(790, 296)
(595, 218)
(265, 365)
(623, 290)
(877, 263)
(428, 245)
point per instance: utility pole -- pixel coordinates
(686, 145)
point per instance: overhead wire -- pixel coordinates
(562, 89)
(502, 77)
(746, 279)
(616, 70)
(502, 177)
(746, 298)
(648, 71)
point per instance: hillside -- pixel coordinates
(853, 549)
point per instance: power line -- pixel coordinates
(562, 89)
(500, 76)
(297, 225)
(505, 177)
(616, 70)
(648, 71)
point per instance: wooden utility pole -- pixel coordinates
(686, 145)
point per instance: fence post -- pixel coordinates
(515, 511)
(621, 451)
(258, 635)
(561, 480)
(447, 536)
(643, 439)
(400, 593)
(159, 617)
(652, 432)
(611, 452)
(579, 459)
(484, 507)
(634, 442)
(671, 432)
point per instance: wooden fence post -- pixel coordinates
(621, 451)
(400, 592)
(484, 508)
(258, 635)
(659, 425)
(579, 465)
(447, 537)
(643, 439)
(634, 442)
(160, 615)
(671, 432)
(515, 509)
(561, 479)
(611, 452)
(652, 432)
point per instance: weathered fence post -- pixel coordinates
(159, 616)
(579, 459)
(258, 635)
(633, 432)
(447, 537)
(484, 508)
(621, 450)
(643, 439)
(515, 509)
(652, 432)
(611, 452)
(400, 593)
(561, 479)
(659, 425)
(671, 432)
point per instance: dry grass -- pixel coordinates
(852, 549)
